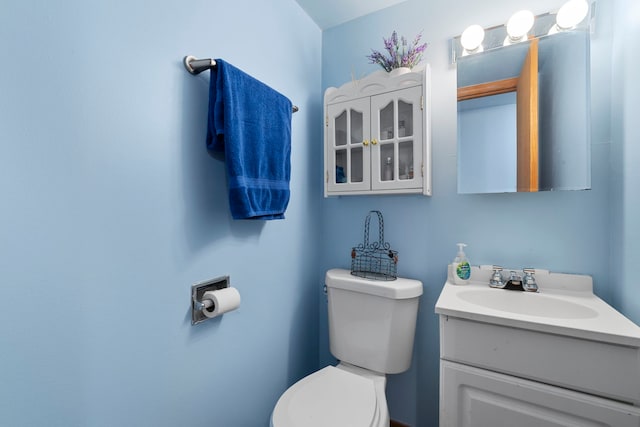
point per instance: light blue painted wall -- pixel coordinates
(112, 209)
(625, 157)
(560, 231)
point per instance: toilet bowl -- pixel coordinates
(371, 331)
(343, 395)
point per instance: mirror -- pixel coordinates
(523, 116)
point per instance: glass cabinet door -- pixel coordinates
(396, 154)
(349, 153)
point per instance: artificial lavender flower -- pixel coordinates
(399, 54)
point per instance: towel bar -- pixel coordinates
(196, 66)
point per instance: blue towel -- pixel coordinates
(251, 123)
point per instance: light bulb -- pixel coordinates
(519, 25)
(472, 38)
(571, 14)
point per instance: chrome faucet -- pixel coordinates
(515, 282)
(529, 282)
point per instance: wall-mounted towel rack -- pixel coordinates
(196, 66)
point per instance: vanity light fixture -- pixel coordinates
(518, 27)
(574, 15)
(471, 39)
(570, 14)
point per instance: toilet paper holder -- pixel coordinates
(197, 292)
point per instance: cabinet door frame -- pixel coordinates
(413, 96)
(362, 106)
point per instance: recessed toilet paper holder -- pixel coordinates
(197, 292)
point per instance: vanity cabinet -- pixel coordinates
(377, 136)
(493, 375)
(560, 357)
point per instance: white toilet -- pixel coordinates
(371, 330)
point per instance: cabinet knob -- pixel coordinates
(365, 142)
(374, 141)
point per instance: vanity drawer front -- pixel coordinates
(473, 397)
(607, 370)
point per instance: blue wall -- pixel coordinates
(625, 174)
(112, 209)
(561, 231)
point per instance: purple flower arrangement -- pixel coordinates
(399, 53)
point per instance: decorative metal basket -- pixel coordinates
(374, 260)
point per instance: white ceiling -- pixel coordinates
(329, 13)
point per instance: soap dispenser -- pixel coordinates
(460, 268)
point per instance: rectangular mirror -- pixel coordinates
(524, 116)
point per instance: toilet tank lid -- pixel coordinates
(394, 289)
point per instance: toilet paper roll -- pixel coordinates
(223, 301)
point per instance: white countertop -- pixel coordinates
(600, 323)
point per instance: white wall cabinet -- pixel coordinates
(377, 135)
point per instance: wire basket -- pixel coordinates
(374, 260)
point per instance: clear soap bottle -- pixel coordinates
(460, 268)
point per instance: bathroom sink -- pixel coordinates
(565, 305)
(527, 303)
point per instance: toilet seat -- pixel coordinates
(328, 397)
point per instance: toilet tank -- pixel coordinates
(372, 323)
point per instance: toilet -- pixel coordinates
(371, 330)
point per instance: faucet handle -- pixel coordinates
(496, 280)
(529, 282)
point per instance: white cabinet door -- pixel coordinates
(348, 146)
(397, 139)
(473, 397)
